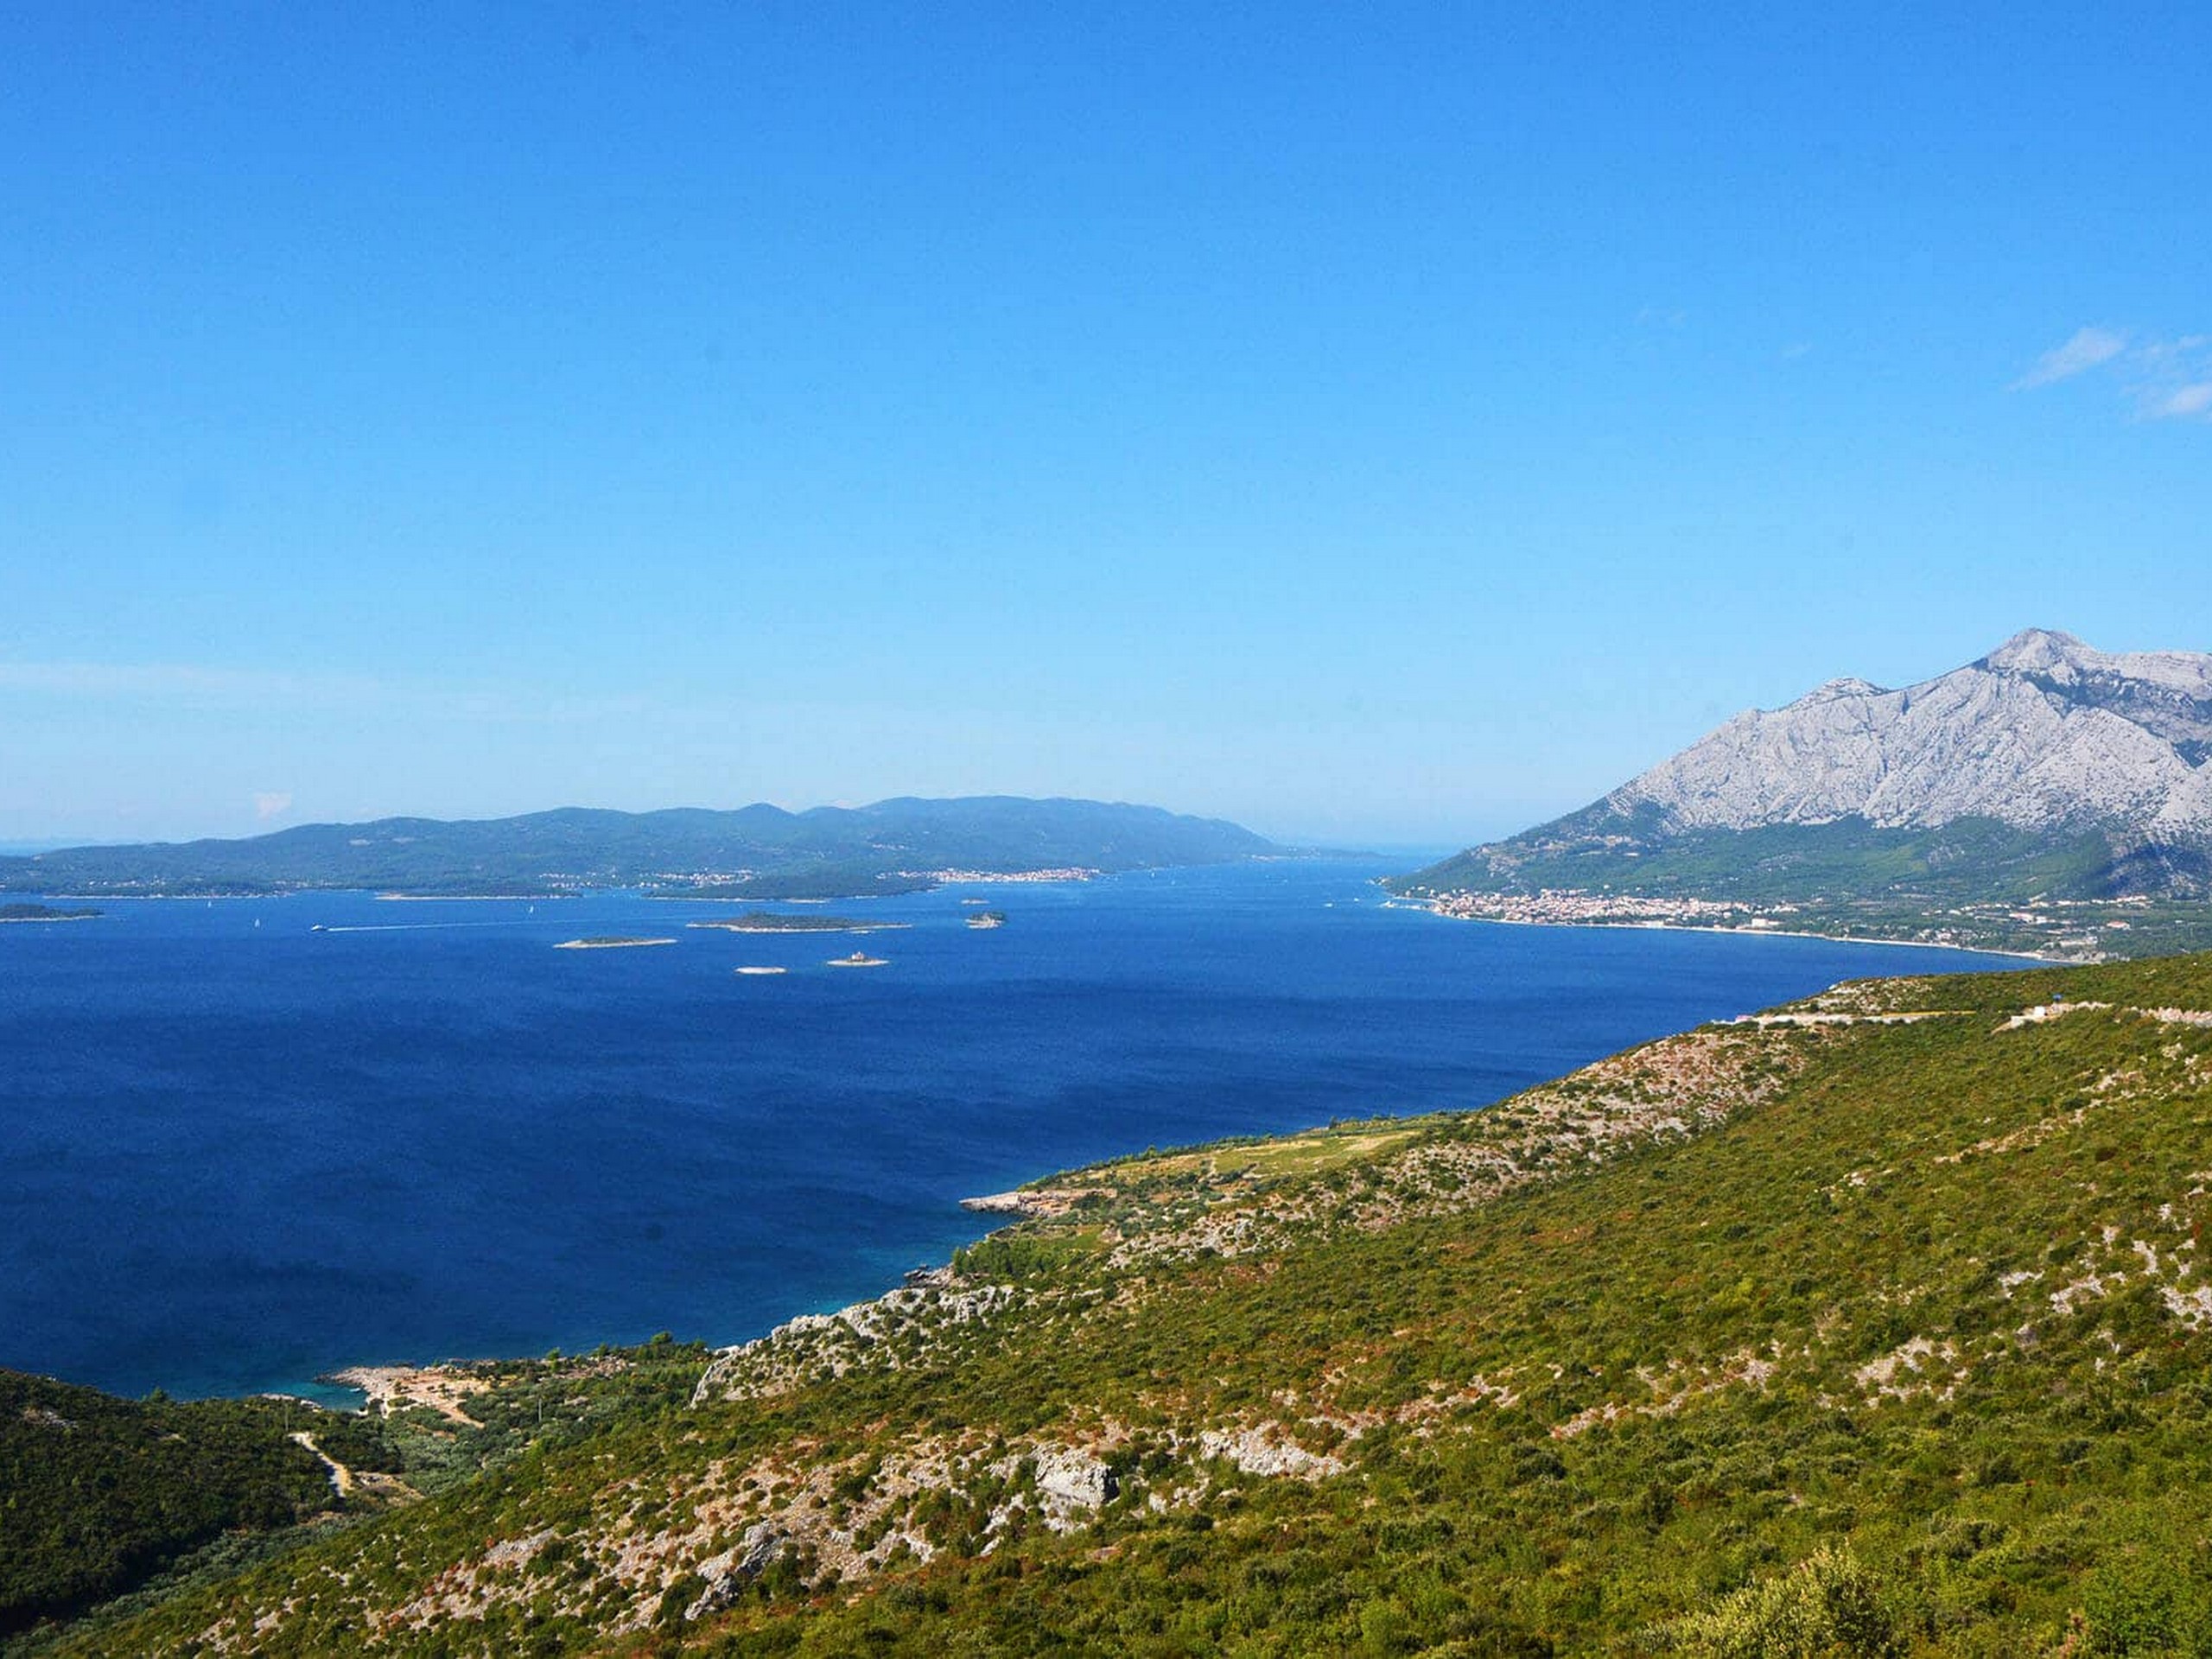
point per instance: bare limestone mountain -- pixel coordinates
(2048, 773)
(2042, 733)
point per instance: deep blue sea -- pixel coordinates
(237, 1153)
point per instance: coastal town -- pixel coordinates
(1568, 907)
(2069, 930)
(945, 878)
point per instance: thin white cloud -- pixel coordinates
(2156, 353)
(2164, 380)
(2183, 402)
(272, 803)
(2172, 379)
(2089, 348)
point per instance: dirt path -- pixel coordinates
(348, 1485)
(342, 1477)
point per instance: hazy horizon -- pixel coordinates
(1410, 849)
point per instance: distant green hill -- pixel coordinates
(1876, 1326)
(753, 852)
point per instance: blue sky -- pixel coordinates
(1378, 423)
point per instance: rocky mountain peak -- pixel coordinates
(2040, 650)
(2060, 661)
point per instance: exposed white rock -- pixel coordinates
(1259, 1451)
(1917, 1359)
(2192, 1307)
(1068, 1480)
(2043, 732)
(728, 1573)
(2187, 805)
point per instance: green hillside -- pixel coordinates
(1875, 1327)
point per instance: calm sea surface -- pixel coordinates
(237, 1153)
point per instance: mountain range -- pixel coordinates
(2045, 773)
(757, 851)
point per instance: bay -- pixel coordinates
(245, 1142)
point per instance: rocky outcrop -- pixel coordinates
(1274, 1456)
(927, 1314)
(1071, 1482)
(728, 1574)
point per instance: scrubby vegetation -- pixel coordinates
(96, 1493)
(1878, 1327)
